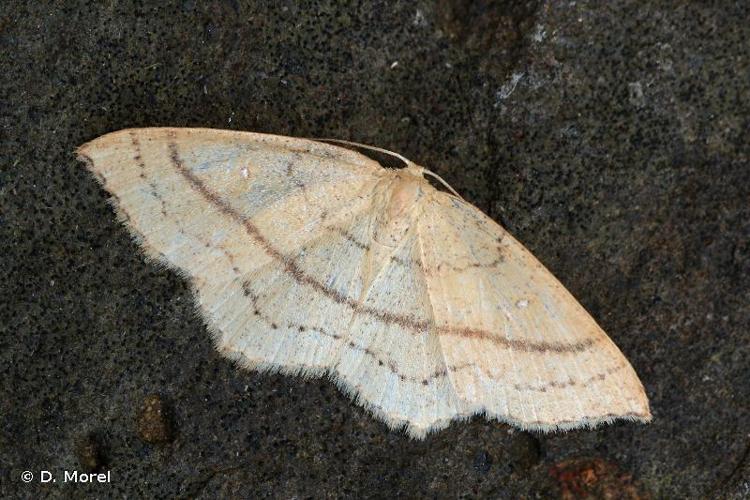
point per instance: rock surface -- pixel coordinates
(612, 138)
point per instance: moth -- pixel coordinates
(312, 259)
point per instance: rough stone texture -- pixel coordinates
(90, 454)
(612, 138)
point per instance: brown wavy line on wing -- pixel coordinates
(408, 322)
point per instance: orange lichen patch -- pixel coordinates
(154, 422)
(595, 479)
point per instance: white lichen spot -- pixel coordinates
(635, 94)
(245, 173)
(508, 87)
(419, 19)
(664, 58)
(539, 33)
(522, 304)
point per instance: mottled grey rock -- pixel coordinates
(90, 453)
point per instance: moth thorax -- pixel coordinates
(400, 203)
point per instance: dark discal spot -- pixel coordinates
(274, 326)
(425, 382)
(352, 344)
(301, 328)
(256, 312)
(380, 362)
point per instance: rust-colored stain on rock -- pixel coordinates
(595, 478)
(154, 423)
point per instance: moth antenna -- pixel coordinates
(443, 182)
(366, 146)
(405, 160)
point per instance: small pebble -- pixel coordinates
(89, 451)
(154, 423)
(483, 462)
(525, 451)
